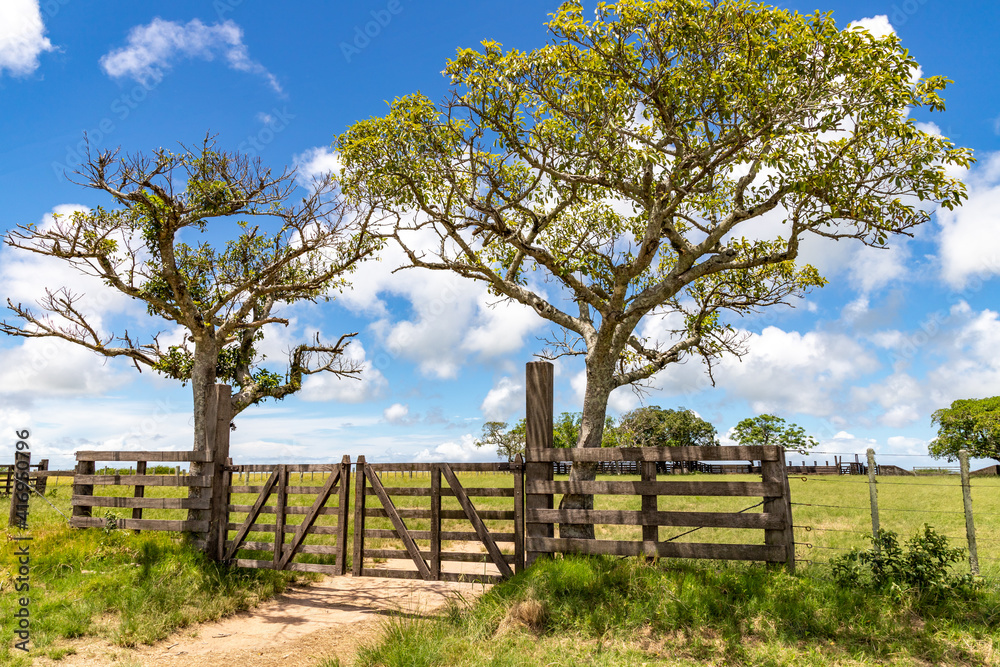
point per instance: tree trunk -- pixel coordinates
(595, 408)
(203, 376)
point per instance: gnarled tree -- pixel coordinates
(615, 177)
(221, 296)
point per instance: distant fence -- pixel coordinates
(38, 475)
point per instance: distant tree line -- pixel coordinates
(650, 426)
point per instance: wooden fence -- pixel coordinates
(775, 519)
(38, 475)
(425, 561)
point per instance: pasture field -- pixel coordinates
(138, 588)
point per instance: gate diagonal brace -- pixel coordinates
(307, 522)
(252, 516)
(397, 522)
(470, 511)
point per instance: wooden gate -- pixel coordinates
(279, 484)
(424, 561)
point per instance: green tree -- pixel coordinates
(652, 426)
(508, 441)
(221, 295)
(771, 430)
(625, 165)
(566, 431)
(972, 424)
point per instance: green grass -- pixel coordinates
(607, 611)
(126, 588)
(137, 588)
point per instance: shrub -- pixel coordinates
(924, 568)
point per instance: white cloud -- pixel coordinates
(329, 387)
(500, 327)
(506, 398)
(457, 450)
(316, 162)
(397, 413)
(878, 26)
(41, 367)
(791, 372)
(156, 46)
(22, 36)
(970, 235)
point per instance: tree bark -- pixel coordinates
(595, 407)
(203, 377)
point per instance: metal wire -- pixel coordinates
(688, 532)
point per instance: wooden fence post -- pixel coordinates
(219, 414)
(83, 489)
(518, 514)
(279, 514)
(343, 513)
(970, 525)
(650, 533)
(435, 522)
(42, 481)
(20, 493)
(776, 471)
(140, 490)
(359, 516)
(9, 480)
(873, 495)
(538, 436)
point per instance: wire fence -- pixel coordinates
(836, 513)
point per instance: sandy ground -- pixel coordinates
(299, 628)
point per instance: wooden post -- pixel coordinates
(279, 515)
(343, 513)
(227, 484)
(970, 525)
(538, 436)
(651, 533)
(42, 481)
(219, 416)
(20, 492)
(83, 468)
(359, 517)
(140, 490)
(873, 494)
(776, 471)
(518, 514)
(435, 522)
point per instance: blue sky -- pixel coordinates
(861, 363)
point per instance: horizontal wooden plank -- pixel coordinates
(760, 489)
(292, 467)
(52, 473)
(457, 467)
(459, 577)
(203, 457)
(297, 567)
(426, 491)
(289, 509)
(747, 520)
(202, 481)
(450, 556)
(765, 453)
(451, 536)
(303, 490)
(141, 524)
(485, 515)
(145, 503)
(760, 552)
(269, 528)
(328, 549)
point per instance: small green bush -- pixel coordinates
(924, 567)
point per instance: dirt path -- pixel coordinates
(298, 628)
